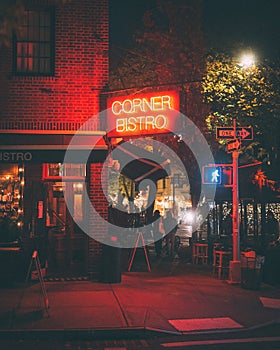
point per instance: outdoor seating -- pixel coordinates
(200, 253)
(221, 260)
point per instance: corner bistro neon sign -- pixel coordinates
(151, 113)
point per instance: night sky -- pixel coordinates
(228, 25)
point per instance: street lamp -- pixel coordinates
(247, 60)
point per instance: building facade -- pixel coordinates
(51, 78)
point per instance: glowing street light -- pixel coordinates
(247, 60)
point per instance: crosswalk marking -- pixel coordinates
(196, 324)
(270, 302)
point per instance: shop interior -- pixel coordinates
(11, 202)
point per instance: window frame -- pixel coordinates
(51, 44)
(47, 176)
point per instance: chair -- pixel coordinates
(221, 261)
(200, 253)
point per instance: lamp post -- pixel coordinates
(235, 207)
(246, 61)
(235, 264)
(234, 136)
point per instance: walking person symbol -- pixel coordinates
(215, 176)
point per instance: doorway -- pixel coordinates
(67, 253)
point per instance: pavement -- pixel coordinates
(175, 297)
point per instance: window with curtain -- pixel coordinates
(34, 45)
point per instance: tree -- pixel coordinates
(169, 48)
(168, 52)
(249, 95)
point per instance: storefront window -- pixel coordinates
(11, 197)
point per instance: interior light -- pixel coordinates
(189, 217)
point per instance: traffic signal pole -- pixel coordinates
(234, 135)
(235, 264)
(235, 205)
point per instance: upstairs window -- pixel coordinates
(34, 46)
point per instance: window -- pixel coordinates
(34, 46)
(11, 202)
(57, 171)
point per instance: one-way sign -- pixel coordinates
(233, 145)
(227, 132)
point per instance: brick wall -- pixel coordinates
(81, 69)
(72, 94)
(98, 224)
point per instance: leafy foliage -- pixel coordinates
(169, 48)
(249, 95)
(168, 52)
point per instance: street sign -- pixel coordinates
(227, 132)
(244, 133)
(233, 145)
(212, 175)
(217, 174)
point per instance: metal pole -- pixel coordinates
(235, 264)
(235, 205)
(173, 190)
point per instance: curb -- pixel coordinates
(122, 333)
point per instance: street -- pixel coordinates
(267, 337)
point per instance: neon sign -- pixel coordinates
(142, 114)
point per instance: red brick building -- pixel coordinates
(51, 80)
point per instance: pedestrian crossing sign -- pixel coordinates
(212, 175)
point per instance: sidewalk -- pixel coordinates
(175, 297)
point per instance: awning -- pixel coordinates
(50, 146)
(138, 164)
